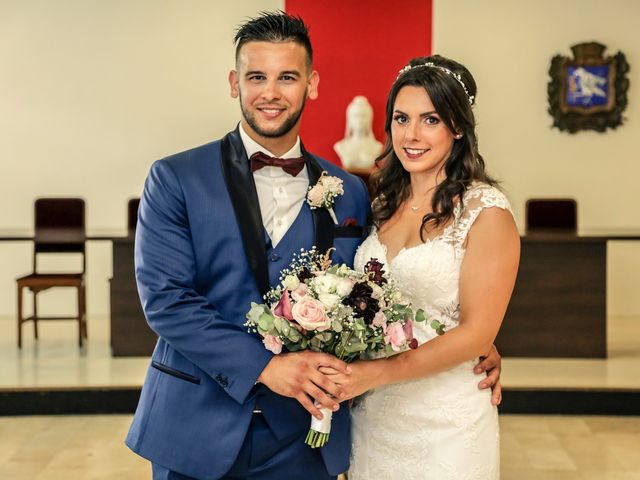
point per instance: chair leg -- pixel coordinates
(20, 321)
(84, 310)
(82, 314)
(35, 314)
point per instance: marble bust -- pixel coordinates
(359, 149)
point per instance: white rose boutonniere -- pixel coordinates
(324, 193)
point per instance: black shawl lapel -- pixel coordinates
(323, 223)
(244, 197)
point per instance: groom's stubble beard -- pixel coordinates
(285, 128)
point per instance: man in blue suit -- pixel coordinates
(215, 229)
(216, 226)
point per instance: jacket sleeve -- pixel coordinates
(166, 276)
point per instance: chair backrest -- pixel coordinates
(551, 213)
(59, 227)
(132, 214)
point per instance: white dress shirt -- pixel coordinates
(280, 195)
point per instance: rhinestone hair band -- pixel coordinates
(443, 69)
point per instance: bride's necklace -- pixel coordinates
(419, 205)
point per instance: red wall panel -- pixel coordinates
(359, 46)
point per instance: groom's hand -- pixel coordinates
(492, 364)
(296, 375)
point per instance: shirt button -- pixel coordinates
(280, 190)
(274, 257)
(279, 222)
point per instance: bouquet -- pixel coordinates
(334, 309)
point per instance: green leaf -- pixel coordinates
(265, 322)
(437, 326)
(420, 316)
(355, 345)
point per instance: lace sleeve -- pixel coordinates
(477, 198)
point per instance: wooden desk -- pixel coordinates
(130, 333)
(558, 308)
(131, 336)
(559, 305)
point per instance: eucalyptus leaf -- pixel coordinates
(355, 345)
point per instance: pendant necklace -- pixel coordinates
(415, 208)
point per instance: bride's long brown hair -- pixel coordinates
(392, 184)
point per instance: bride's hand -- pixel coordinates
(363, 377)
(492, 364)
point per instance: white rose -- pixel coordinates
(316, 195)
(329, 300)
(344, 287)
(290, 282)
(255, 312)
(327, 283)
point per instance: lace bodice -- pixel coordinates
(428, 274)
(439, 427)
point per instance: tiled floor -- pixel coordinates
(56, 360)
(533, 448)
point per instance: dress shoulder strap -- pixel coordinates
(478, 197)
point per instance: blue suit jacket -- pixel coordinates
(202, 256)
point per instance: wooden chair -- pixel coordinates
(132, 215)
(59, 228)
(551, 214)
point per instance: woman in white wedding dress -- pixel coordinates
(447, 235)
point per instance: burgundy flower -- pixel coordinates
(304, 274)
(363, 304)
(375, 271)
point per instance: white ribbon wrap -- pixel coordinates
(324, 425)
(333, 215)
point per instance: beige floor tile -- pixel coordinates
(604, 424)
(532, 447)
(589, 453)
(521, 474)
(611, 475)
(545, 452)
(624, 446)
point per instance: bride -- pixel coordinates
(448, 237)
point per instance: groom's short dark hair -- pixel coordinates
(274, 27)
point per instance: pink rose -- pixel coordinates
(300, 292)
(310, 314)
(408, 329)
(272, 343)
(395, 336)
(283, 308)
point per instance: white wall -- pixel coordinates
(91, 93)
(508, 46)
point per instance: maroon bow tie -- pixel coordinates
(293, 166)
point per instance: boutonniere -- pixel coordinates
(324, 193)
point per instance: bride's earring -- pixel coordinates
(457, 136)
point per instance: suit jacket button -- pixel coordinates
(274, 257)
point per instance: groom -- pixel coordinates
(216, 226)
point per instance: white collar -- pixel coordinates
(251, 146)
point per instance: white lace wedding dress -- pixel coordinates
(438, 427)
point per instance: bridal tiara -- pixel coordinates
(455, 75)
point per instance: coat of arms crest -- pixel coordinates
(588, 92)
